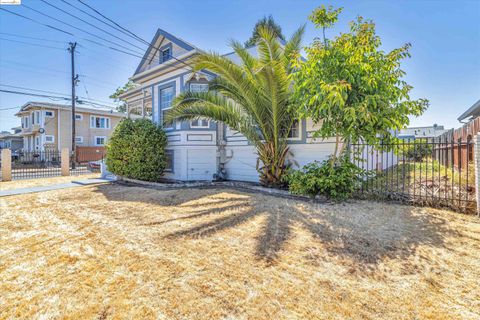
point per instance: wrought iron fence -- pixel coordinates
(36, 164)
(435, 172)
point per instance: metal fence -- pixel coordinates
(48, 163)
(435, 172)
(36, 164)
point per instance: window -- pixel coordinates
(78, 139)
(166, 54)
(78, 116)
(294, 130)
(49, 139)
(100, 141)
(169, 154)
(99, 122)
(166, 98)
(49, 114)
(25, 122)
(198, 87)
(200, 123)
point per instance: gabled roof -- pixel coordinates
(162, 33)
(473, 111)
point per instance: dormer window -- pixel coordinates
(166, 54)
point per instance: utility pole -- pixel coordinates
(72, 47)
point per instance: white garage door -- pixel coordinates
(201, 164)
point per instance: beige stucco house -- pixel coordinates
(48, 126)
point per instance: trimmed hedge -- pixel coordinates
(136, 150)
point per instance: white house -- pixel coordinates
(203, 150)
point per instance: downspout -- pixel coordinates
(221, 152)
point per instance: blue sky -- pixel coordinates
(445, 35)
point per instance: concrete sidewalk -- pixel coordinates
(73, 184)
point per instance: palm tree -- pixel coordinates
(252, 97)
(264, 22)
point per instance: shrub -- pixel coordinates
(337, 182)
(137, 150)
(416, 151)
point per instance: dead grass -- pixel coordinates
(15, 184)
(112, 251)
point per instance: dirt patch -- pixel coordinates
(116, 251)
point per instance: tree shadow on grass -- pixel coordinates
(364, 233)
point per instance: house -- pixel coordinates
(461, 140)
(427, 132)
(202, 149)
(48, 126)
(12, 141)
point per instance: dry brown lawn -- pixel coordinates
(119, 252)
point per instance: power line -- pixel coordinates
(100, 20)
(69, 33)
(36, 21)
(134, 35)
(91, 24)
(8, 108)
(34, 94)
(33, 38)
(30, 89)
(77, 28)
(32, 44)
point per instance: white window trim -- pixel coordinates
(80, 138)
(199, 126)
(47, 116)
(106, 122)
(53, 139)
(80, 117)
(95, 141)
(300, 128)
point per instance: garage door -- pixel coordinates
(201, 164)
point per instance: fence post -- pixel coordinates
(6, 164)
(476, 155)
(65, 160)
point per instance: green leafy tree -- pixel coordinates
(120, 90)
(352, 88)
(252, 97)
(264, 23)
(136, 150)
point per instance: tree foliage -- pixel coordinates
(351, 87)
(137, 150)
(336, 182)
(264, 23)
(120, 90)
(252, 97)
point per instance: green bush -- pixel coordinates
(137, 150)
(416, 150)
(337, 182)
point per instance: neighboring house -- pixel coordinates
(202, 149)
(421, 132)
(12, 141)
(48, 126)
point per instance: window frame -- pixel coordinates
(167, 47)
(50, 136)
(192, 126)
(79, 137)
(299, 137)
(92, 123)
(163, 110)
(170, 160)
(49, 111)
(95, 141)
